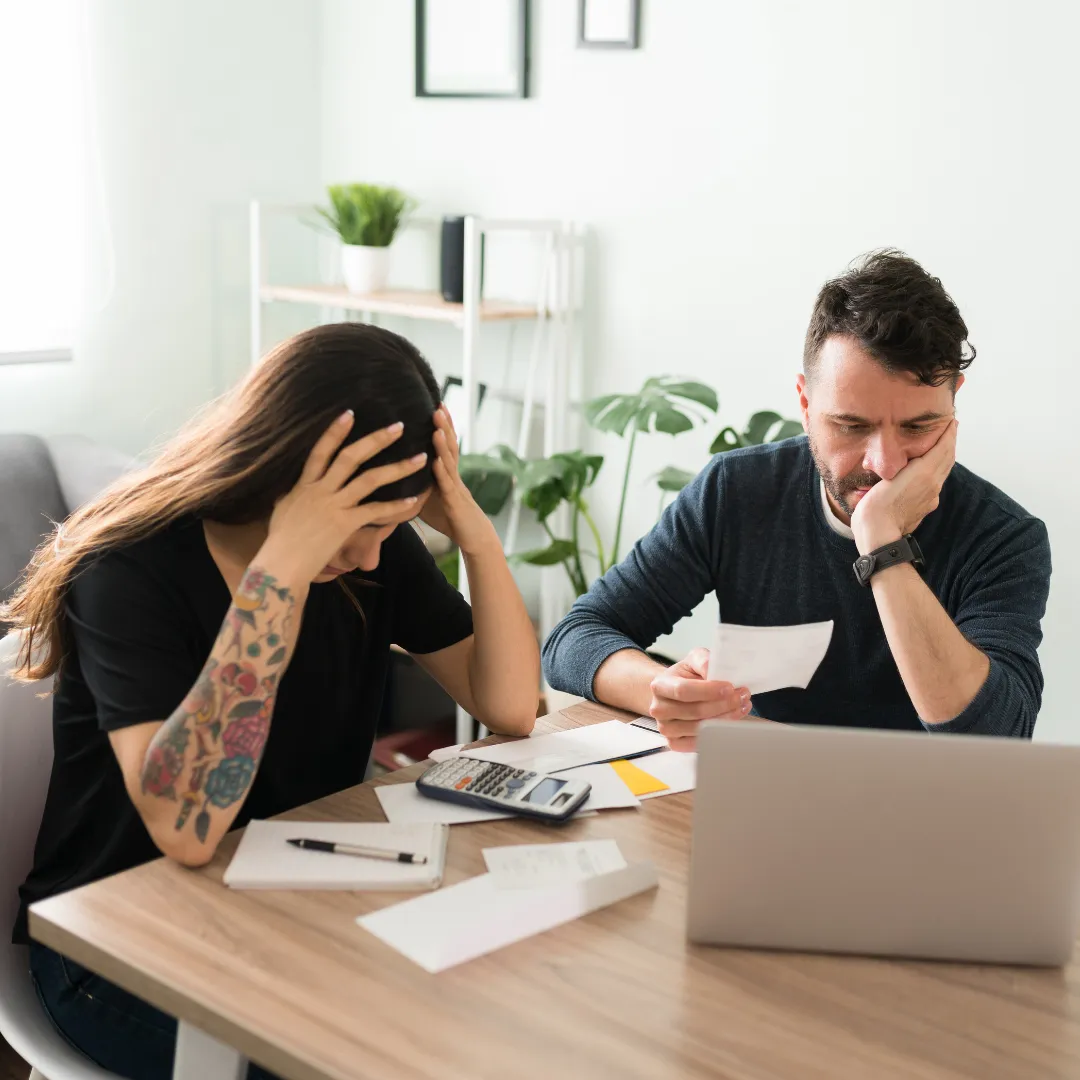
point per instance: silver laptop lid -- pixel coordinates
(886, 843)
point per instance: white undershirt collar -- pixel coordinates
(831, 519)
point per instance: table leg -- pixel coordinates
(202, 1057)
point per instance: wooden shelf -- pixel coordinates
(411, 303)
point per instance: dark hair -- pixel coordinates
(236, 459)
(898, 313)
(266, 431)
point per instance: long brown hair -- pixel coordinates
(234, 461)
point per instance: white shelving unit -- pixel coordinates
(554, 351)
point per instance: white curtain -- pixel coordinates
(51, 213)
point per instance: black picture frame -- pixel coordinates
(631, 42)
(521, 90)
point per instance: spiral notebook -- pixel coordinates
(265, 859)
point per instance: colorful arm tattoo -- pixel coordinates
(206, 754)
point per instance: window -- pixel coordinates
(42, 178)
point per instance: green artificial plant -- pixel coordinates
(365, 214)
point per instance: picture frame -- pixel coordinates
(472, 48)
(609, 24)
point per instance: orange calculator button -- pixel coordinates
(463, 782)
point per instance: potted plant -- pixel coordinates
(665, 404)
(365, 218)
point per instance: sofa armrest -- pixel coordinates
(84, 467)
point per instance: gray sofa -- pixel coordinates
(41, 481)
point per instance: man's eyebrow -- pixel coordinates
(926, 417)
(851, 418)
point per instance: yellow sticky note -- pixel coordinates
(637, 780)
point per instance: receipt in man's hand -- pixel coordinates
(764, 658)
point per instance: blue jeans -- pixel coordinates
(117, 1030)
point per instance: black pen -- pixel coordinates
(359, 850)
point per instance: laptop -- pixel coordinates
(842, 840)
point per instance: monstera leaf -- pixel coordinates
(664, 404)
(490, 477)
(763, 427)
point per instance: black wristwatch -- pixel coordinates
(906, 549)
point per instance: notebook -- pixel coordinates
(265, 859)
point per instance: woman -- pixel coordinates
(220, 624)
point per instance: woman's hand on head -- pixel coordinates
(451, 509)
(312, 522)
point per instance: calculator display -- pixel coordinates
(544, 791)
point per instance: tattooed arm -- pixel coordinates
(188, 777)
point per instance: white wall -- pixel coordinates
(741, 156)
(200, 106)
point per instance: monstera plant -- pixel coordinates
(763, 427)
(664, 405)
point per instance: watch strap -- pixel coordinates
(906, 549)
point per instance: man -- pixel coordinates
(776, 531)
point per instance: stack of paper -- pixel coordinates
(676, 771)
(530, 889)
(402, 803)
(562, 750)
(582, 750)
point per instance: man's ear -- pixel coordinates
(959, 382)
(804, 400)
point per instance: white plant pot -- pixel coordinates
(365, 269)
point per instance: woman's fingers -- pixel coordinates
(354, 455)
(445, 425)
(444, 454)
(444, 479)
(322, 452)
(372, 479)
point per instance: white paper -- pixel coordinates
(530, 866)
(265, 860)
(462, 922)
(402, 803)
(677, 770)
(608, 791)
(445, 753)
(562, 750)
(764, 658)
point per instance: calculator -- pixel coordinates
(491, 786)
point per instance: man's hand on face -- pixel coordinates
(893, 508)
(683, 696)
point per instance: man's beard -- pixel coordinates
(841, 487)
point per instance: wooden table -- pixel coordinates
(289, 980)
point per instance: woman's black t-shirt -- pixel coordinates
(143, 619)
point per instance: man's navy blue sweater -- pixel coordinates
(752, 529)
